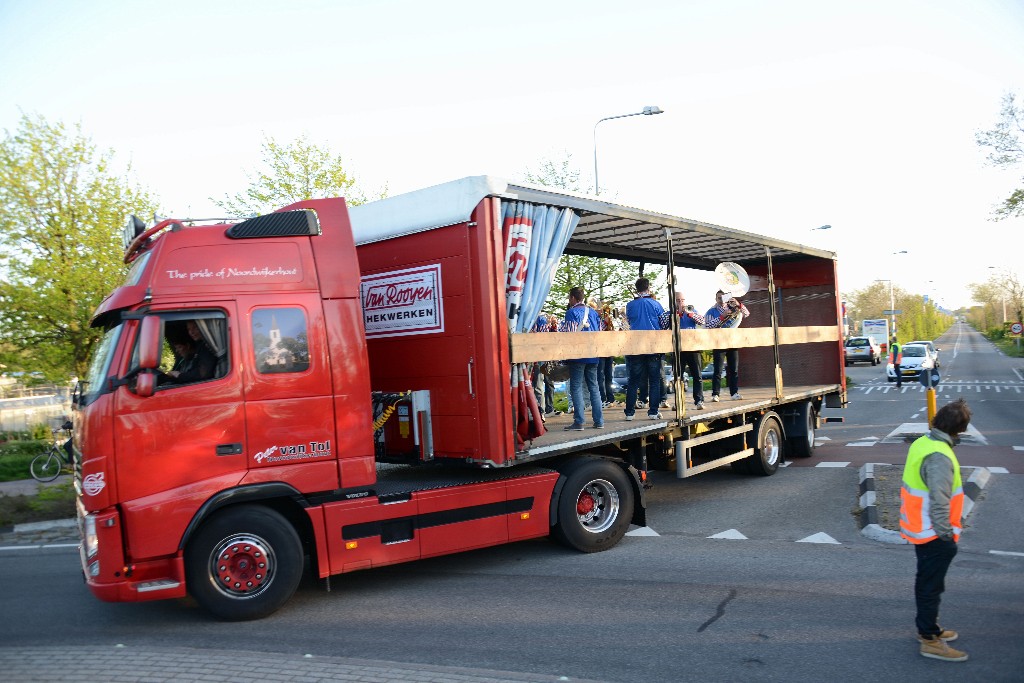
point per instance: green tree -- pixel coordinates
(294, 172)
(609, 280)
(1005, 142)
(60, 232)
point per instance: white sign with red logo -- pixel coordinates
(1016, 328)
(402, 302)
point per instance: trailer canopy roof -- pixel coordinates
(605, 230)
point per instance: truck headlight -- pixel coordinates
(89, 540)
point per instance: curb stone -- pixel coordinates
(871, 529)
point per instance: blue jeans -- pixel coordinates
(578, 372)
(644, 370)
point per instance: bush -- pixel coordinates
(52, 502)
(40, 431)
(15, 457)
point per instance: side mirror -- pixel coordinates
(149, 342)
(145, 384)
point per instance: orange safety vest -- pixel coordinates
(897, 354)
(915, 504)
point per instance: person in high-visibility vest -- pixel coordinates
(896, 357)
(931, 508)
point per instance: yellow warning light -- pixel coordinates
(524, 515)
(351, 545)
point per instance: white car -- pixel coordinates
(933, 350)
(916, 358)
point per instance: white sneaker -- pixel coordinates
(629, 418)
(714, 398)
(737, 397)
(655, 416)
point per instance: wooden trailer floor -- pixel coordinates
(616, 429)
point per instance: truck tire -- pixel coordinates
(802, 445)
(244, 563)
(768, 453)
(594, 506)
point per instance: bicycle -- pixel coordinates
(47, 466)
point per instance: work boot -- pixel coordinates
(947, 635)
(936, 648)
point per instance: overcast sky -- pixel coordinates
(779, 116)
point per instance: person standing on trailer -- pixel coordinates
(644, 313)
(689, 319)
(581, 318)
(731, 313)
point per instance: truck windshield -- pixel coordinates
(99, 364)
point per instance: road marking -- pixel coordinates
(1018, 448)
(731, 534)
(1006, 552)
(643, 531)
(832, 464)
(867, 441)
(998, 470)
(820, 537)
(916, 429)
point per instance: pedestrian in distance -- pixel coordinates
(931, 508)
(644, 313)
(896, 357)
(581, 318)
(727, 312)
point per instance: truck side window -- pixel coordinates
(194, 349)
(280, 340)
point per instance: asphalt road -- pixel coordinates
(737, 577)
(772, 600)
(880, 420)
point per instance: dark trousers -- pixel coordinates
(691, 363)
(933, 559)
(899, 375)
(604, 379)
(731, 358)
(644, 370)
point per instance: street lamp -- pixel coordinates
(892, 301)
(647, 111)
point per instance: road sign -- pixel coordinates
(892, 312)
(1016, 328)
(930, 378)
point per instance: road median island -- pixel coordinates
(880, 498)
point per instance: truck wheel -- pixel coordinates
(244, 563)
(594, 507)
(803, 446)
(768, 455)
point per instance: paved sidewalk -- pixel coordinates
(127, 664)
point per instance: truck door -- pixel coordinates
(176, 447)
(289, 400)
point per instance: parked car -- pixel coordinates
(933, 350)
(620, 377)
(864, 349)
(915, 360)
(709, 371)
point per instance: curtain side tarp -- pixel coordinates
(534, 238)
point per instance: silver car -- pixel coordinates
(864, 349)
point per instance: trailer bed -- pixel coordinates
(616, 429)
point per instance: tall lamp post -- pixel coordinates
(647, 111)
